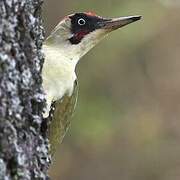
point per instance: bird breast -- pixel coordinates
(58, 75)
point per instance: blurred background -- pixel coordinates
(127, 121)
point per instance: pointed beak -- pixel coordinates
(116, 23)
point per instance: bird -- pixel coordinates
(69, 41)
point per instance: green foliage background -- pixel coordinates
(127, 121)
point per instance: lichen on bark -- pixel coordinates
(23, 146)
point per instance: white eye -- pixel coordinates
(81, 22)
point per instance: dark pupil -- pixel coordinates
(81, 21)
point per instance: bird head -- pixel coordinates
(77, 33)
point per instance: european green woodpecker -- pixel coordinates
(70, 40)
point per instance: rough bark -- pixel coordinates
(23, 145)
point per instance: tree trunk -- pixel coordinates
(23, 145)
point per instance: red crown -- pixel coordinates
(91, 13)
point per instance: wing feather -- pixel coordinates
(60, 118)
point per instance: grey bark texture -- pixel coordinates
(23, 144)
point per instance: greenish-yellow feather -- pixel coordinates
(61, 118)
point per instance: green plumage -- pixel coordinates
(60, 118)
